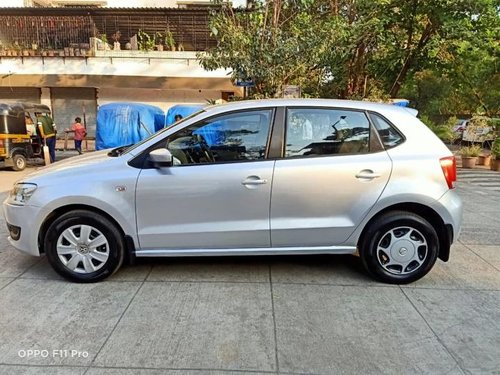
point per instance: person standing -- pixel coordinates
(47, 130)
(80, 133)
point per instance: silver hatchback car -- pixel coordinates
(246, 178)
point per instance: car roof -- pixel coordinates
(338, 103)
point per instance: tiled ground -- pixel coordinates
(300, 315)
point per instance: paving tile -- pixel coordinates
(467, 323)
(354, 330)
(41, 370)
(490, 254)
(321, 269)
(195, 326)
(229, 269)
(480, 227)
(12, 262)
(59, 315)
(113, 371)
(43, 270)
(4, 281)
(464, 270)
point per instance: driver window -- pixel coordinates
(234, 137)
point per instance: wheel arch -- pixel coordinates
(128, 241)
(445, 232)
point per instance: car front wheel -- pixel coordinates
(84, 246)
(399, 247)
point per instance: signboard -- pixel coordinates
(244, 82)
(291, 91)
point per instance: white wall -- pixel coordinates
(11, 3)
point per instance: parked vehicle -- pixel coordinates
(16, 144)
(468, 131)
(247, 178)
(459, 127)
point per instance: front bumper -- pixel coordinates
(29, 220)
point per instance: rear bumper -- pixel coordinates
(452, 212)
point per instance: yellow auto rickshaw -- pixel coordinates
(19, 139)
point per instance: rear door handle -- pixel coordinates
(367, 174)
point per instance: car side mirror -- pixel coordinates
(161, 158)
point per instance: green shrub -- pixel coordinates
(470, 151)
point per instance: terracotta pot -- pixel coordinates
(468, 162)
(484, 160)
(495, 165)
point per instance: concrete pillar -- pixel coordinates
(45, 97)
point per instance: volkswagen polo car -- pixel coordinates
(246, 178)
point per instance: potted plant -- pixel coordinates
(484, 159)
(169, 40)
(469, 155)
(145, 41)
(16, 49)
(495, 152)
(159, 41)
(116, 40)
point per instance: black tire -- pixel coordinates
(19, 161)
(115, 248)
(379, 263)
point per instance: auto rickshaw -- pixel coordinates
(16, 143)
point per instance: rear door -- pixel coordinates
(333, 171)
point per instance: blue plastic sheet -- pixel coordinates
(400, 102)
(182, 109)
(120, 124)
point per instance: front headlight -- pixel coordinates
(22, 192)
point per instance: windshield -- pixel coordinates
(134, 146)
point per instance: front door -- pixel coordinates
(217, 193)
(333, 171)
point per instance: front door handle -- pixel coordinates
(367, 174)
(253, 180)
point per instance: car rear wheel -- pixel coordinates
(84, 246)
(399, 247)
(19, 162)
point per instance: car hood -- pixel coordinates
(71, 165)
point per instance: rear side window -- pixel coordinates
(323, 131)
(389, 136)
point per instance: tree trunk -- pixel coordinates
(408, 64)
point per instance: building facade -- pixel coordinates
(75, 59)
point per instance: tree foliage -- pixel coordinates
(363, 48)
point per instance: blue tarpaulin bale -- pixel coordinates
(182, 109)
(120, 124)
(400, 102)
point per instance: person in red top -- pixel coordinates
(80, 133)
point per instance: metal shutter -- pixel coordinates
(68, 103)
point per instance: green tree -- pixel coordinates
(356, 48)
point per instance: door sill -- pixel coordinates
(245, 251)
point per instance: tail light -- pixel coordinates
(449, 167)
(1, 143)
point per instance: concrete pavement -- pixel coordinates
(300, 315)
